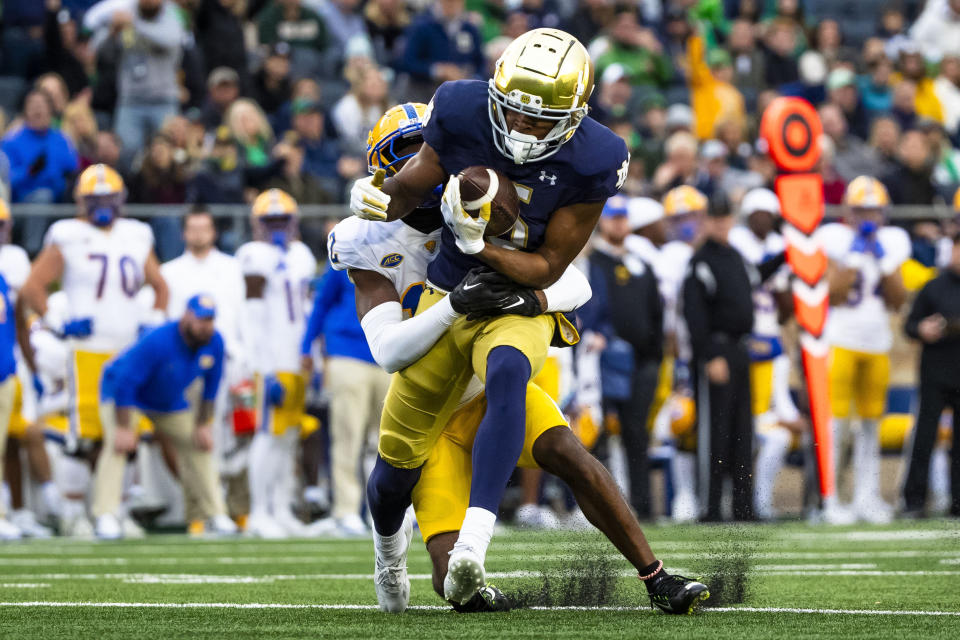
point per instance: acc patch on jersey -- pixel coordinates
(206, 361)
(391, 260)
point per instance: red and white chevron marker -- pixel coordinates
(792, 130)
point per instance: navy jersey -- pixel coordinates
(590, 167)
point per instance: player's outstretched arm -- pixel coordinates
(567, 233)
(394, 342)
(153, 277)
(893, 291)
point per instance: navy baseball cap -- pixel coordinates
(615, 206)
(202, 306)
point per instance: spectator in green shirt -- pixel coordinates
(637, 50)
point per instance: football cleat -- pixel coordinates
(465, 575)
(390, 578)
(534, 516)
(291, 523)
(874, 511)
(9, 531)
(677, 595)
(352, 526)
(263, 526)
(489, 599)
(78, 527)
(131, 529)
(837, 514)
(221, 525)
(108, 527)
(28, 525)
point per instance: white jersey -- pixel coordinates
(394, 249)
(15, 267)
(288, 275)
(103, 270)
(756, 251)
(862, 323)
(217, 275)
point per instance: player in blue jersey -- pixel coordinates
(530, 122)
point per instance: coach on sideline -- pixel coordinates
(153, 376)
(935, 320)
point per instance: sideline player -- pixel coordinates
(529, 122)
(386, 293)
(865, 286)
(102, 259)
(277, 269)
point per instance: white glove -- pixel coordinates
(367, 201)
(467, 230)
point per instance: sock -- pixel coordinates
(866, 462)
(259, 474)
(282, 461)
(388, 495)
(500, 436)
(840, 427)
(51, 498)
(476, 531)
(654, 579)
(390, 547)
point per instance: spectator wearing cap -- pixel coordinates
(441, 44)
(637, 50)
(938, 29)
(150, 36)
(223, 88)
(157, 375)
(613, 95)
(813, 73)
(627, 311)
(912, 67)
(911, 180)
(718, 309)
(842, 92)
(874, 86)
(712, 94)
(386, 21)
(271, 83)
(947, 88)
(218, 25)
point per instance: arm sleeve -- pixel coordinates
(696, 308)
(133, 368)
(921, 309)
(769, 267)
(213, 375)
(395, 342)
(329, 291)
(569, 293)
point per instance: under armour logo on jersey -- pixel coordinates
(551, 178)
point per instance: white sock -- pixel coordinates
(839, 430)
(476, 531)
(282, 460)
(685, 472)
(52, 500)
(866, 464)
(259, 474)
(774, 445)
(390, 547)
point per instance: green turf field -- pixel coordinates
(785, 581)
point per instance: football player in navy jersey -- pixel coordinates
(530, 122)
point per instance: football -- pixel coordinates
(479, 185)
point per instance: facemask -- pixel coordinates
(523, 146)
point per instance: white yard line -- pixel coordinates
(24, 585)
(371, 607)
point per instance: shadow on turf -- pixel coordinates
(593, 578)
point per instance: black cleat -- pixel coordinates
(677, 595)
(486, 600)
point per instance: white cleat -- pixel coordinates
(390, 578)
(131, 529)
(532, 516)
(221, 525)
(9, 531)
(353, 526)
(874, 511)
(108, 527)
(837, 515)
(465, 575)
(78, 528)
(28, 525)
(291, 524)
(322, 528)
(263, 526)
(577, 521)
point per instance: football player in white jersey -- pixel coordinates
(758, 241)
(685, 208)
(865, 286)
(101, 260)
(277, 269)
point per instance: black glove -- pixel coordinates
(484, 293)
(38, 164)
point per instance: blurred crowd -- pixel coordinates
(201, 102)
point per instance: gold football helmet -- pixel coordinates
(684, 207)
(545, 74)
(100, 194)
(274, 218)
(866, 192)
